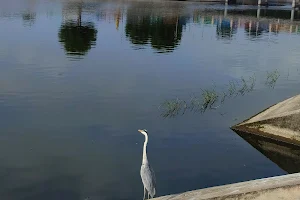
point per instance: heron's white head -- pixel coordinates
(143, 131)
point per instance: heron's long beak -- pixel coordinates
(140, 130)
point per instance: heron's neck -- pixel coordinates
(145, 160)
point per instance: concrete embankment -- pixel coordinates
(285, 187)
(279, 122)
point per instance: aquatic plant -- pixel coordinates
(223, 97)
(247, 86)
(240, 87)
(232, 88)
(244, 87)
(272, 78)
(195, 104)
(209, 97)
(252, 80)
(173, 107)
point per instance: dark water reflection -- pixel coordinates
(29, 18)
(78, 78)
(162, 32)
(286, 156)
(226, 29)
(78, 36)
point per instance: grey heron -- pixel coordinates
(147, 173)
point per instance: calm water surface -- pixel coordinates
(79, 78)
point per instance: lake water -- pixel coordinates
(79, 78)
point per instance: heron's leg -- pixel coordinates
(144, 193)
(148, 195)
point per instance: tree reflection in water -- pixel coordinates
(77, 37)
(164, 33)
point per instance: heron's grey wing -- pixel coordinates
(153, 175)
(148, 178)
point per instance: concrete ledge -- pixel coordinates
(285, 187)
(279, 122)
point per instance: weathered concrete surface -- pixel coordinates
(285, 187)
(279, 122)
